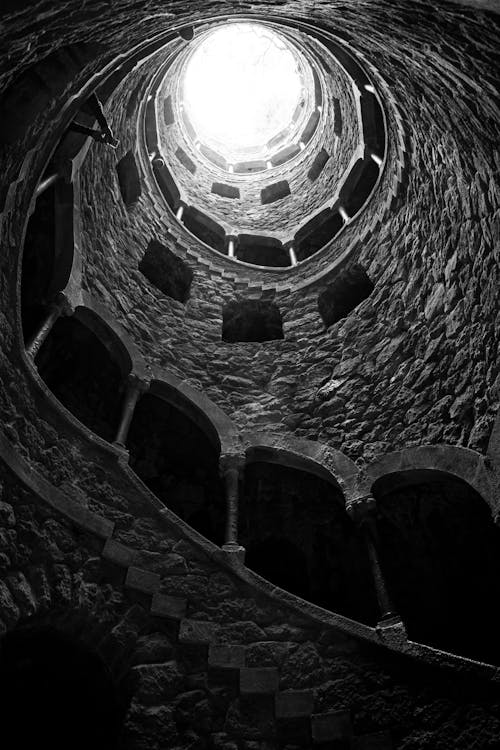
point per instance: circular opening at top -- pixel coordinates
(241, 87)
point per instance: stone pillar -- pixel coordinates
(135, 388)
(59, 307)
(231, 467)
(362, 511)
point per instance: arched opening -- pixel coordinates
(57, 694)
(38, 261)
(174, 457)
(297, 535)
(83, 374)
(440, 552)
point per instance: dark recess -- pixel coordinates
(185, 160)
(318, 164)
(129, 180)
(226, 191)
(275, 192)
(343, 295)
(170, 274)
(251, 320)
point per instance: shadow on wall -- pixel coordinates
(440, 552)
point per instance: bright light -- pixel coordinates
(241, 86)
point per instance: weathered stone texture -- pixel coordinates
(426, 338)
(418, 338)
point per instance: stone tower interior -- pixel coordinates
(249, 375)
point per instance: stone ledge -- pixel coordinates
(197, 631)
(294, 704)
(118, 553)
(172, 607)
(142, 580)
(330, 726)
(259, 680)
(226, 656)
(375, 741)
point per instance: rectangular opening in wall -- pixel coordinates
(226, 191)
(318, 164)
(251, 320)
(129, 180)
(168, 112)
(275, 192)
(168, 273)
(262, 251)
(351, 287)
(185, 160)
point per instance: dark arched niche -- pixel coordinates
(84, 374)
(297, 535)
(56, 694)
(440, 553)
(177, 460)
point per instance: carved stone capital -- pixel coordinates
(362, 508)
(229, 462)
(62, 304)
(137, 383)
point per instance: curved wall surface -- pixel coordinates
(357, 402)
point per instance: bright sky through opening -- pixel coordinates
(241, 86)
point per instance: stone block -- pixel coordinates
(294, 704)
(226, 656)
(197, 631)
(173, 607)
(333, 725)
(118, 553)
(374, 741)
(142, 580)
(259, 680)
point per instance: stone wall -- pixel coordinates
(205, 661)
(247, 213)
(411, 365)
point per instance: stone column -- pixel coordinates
(59, 307)
(135, 388)
(231, 468)
(362, 511)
